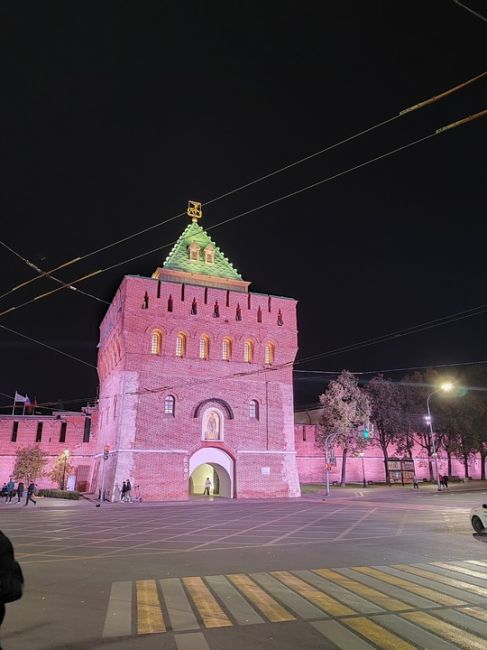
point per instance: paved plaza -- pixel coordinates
(378, 568)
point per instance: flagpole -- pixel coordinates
(13, 406)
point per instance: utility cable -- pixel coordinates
(470, 10)
(405, 111)
(45, 345)
(46, 274)
(259, 207)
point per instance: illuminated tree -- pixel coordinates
(345, 408)
(29, 463)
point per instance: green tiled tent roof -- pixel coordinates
(178, 258)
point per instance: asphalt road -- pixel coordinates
(373, 568)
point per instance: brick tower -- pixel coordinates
(196, 381)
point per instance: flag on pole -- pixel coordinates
(27, 409)
(20, 398)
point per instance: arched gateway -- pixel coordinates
(215, 464)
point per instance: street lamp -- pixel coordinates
(66, 456)
(445, 387)
(361, 454)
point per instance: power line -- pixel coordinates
(405, 369)
(470, 10)
(45, 345)
(255, 209)
(46, 274)
(403, 112)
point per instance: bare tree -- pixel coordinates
(387, 413)
(345, 407)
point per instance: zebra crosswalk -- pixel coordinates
(440, 605)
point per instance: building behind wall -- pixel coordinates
(196, 381)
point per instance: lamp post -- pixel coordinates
(66, 456)
(446, 387)
(361, 454)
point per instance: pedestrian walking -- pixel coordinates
(123, 491)
(445, 481)
(30, 492)
(128, 494)
(415, 483)
(10, 490)
(20, 491)
(11, 578)
(207, 486)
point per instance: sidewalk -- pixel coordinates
(42, 503)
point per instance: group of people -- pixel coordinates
(126, 491)
(443, 482)
(10, 491)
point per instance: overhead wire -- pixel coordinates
(255, 209)
(45, 345)
(239, 188)
(46, 274)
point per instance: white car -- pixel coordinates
(478, 517)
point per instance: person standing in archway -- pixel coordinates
(207, 486)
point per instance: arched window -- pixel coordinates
(169, 405)
(204, 347)
(269, 354)
(156, 342)
(212, 425)
(227, 348)
(254, 409)
(248, 351)
(181, 345)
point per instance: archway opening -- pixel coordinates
(221, 484)
(216, 465)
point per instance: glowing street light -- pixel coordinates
(445, 387)
(66, 456)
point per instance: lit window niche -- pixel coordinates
(212, 424)
(156, 342)
(248, 351)
(269, 354)
(227, 349)
(204, 347)
(180, 345)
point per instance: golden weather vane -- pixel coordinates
(194, 210)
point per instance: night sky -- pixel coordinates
(115, 114)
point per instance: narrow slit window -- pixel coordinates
(169, 303)
(279, 318)
(39, 432)
(206, 295)
(216, 310)
(259, 315)
(62, 433)
(158, 288)
(238, 313)
(194, 307)
(15, 429)
(87, 430)
(145, 304)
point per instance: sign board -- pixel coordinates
(265, 471)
